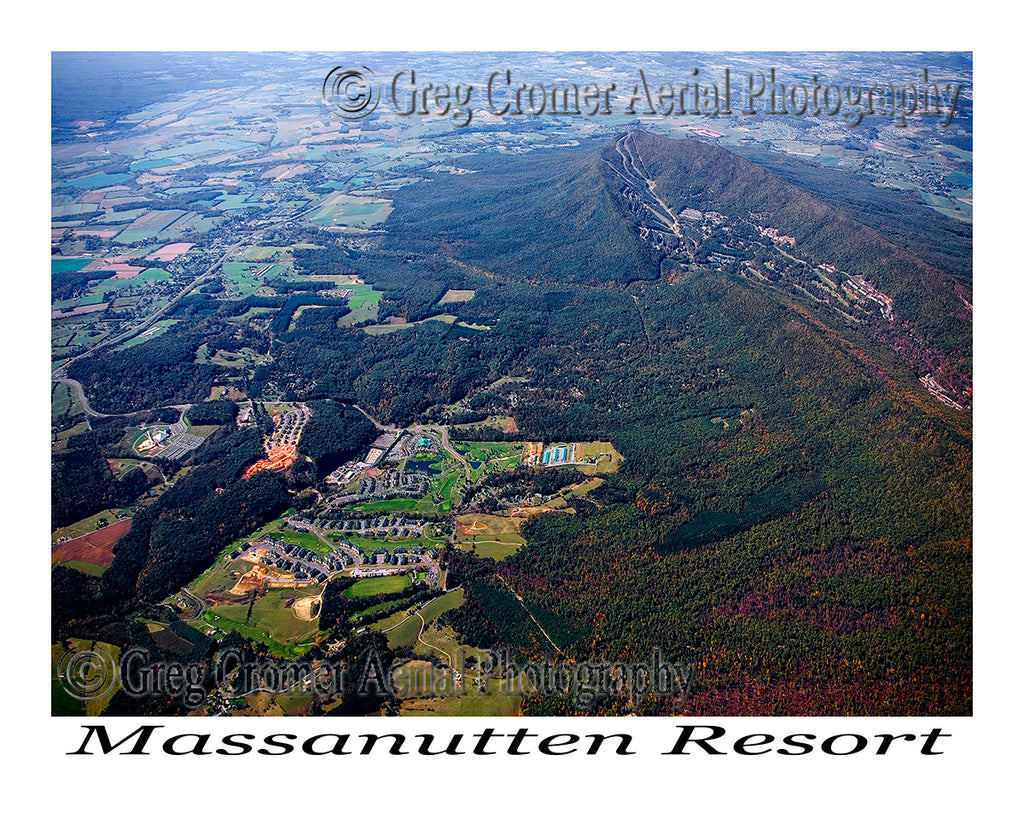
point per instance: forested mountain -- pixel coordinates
(692, 174)
(550, 218)
(793, 515)
(645, 207)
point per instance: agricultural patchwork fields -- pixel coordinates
(94, 549)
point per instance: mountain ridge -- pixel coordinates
(644, 207)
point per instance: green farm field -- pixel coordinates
(86, 525)
(376, 607)
(86, 568)
(77, 429)
(488, 536)
(139, 283)
(439, 605)
(497, 704)
(403, 627)
(239, 278)
(362, 294)
(63, 400)
(342, 210)
(608, 458)
(371, 586)
(218, 578)
(364, 304)
(497, 549)
(259, 253)
(155, 331)
(368, 545)
(383, 329)
(457, 296)
(68, 265)
(99, 180)
(270, 621)
(148, 225)
(62, 702)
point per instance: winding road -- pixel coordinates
(423, 625)
(80, 394)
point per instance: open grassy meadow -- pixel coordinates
(457, 296)
(219, 577)
(70, 677)
(403, 627)
(156, 330)
(606, 456)
(364, 303)
(411, 505)
(371, 586)
(86, 525)
(259, 253)
(384, 329)
(344, 211)
(269, 620)
(490, 536)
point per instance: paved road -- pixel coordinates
(61, 373)
(335, 545)
(382, 427)
(202, 606)
(80, 393)
(423, 623)
(77, 386)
